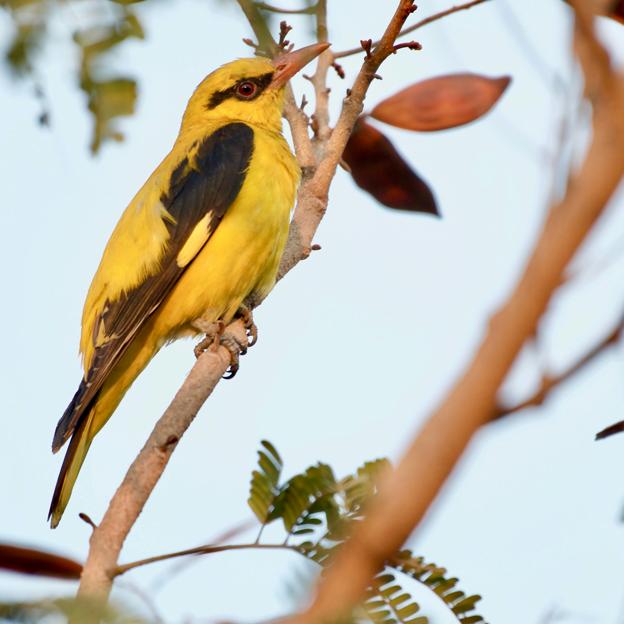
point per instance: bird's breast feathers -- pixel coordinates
(206, 229)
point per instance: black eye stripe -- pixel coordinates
(261, 82)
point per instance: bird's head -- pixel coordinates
(249, 90)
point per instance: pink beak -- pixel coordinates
(289, 63)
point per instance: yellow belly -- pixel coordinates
(242, 256)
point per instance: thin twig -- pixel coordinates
(208, 549)
(550, 76)
(550, 382)
(226, 536)
(424, 22)
(319, 78)
(145, 598)
(274, 9)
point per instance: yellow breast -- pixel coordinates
(242, 256)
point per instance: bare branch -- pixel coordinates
(433, 454)
(274, 9)
(424, 22)
(201, 550)
(127, 503)
(550, 382)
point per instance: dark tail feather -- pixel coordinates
(72, 463)
(69, 420)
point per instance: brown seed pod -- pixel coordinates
(37, 562)
(380, 170)
(442, 102)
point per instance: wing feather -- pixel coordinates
(200, 190)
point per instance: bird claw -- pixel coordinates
(214, 332)
(236, 349)
(244, 313)
(216, 336)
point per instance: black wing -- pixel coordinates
(208, 185)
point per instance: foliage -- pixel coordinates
(109, 94)
(317, 505)
(69, 609)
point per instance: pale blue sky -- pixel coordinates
(356, 345)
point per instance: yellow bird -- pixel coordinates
(205, 232)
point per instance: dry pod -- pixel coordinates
(380, 170)
(617, 11)
(37, 562)
(442, 102)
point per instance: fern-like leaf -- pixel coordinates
(434, 577)
(307, 497)
(388, 603)
(264, 487)
(315, 504)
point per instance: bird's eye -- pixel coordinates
(246, 90)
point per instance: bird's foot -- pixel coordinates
(236, 348)
(213, 333)
(245, 315)
(217, 335)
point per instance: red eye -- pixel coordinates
(246, 90)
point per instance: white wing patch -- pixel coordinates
(200, 234)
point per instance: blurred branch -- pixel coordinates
(128, 501)
(227, 535)
(406, 494)
(424, 22)
(209, 549)
(274, 9)
(550, 382)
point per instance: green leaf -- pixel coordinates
(434, 578)
(306, 496)
(467, 604)
(109, 97)
(108, 100)
(263, 489)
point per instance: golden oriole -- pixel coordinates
(205, 231)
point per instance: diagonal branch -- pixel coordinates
(209, 549)
(128, 501)
(550, 382)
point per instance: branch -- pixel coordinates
(202, 550)
(405, 496)
(274, 9)
(128, 501)
(424, 22)
(550, 382)
(126, 505)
